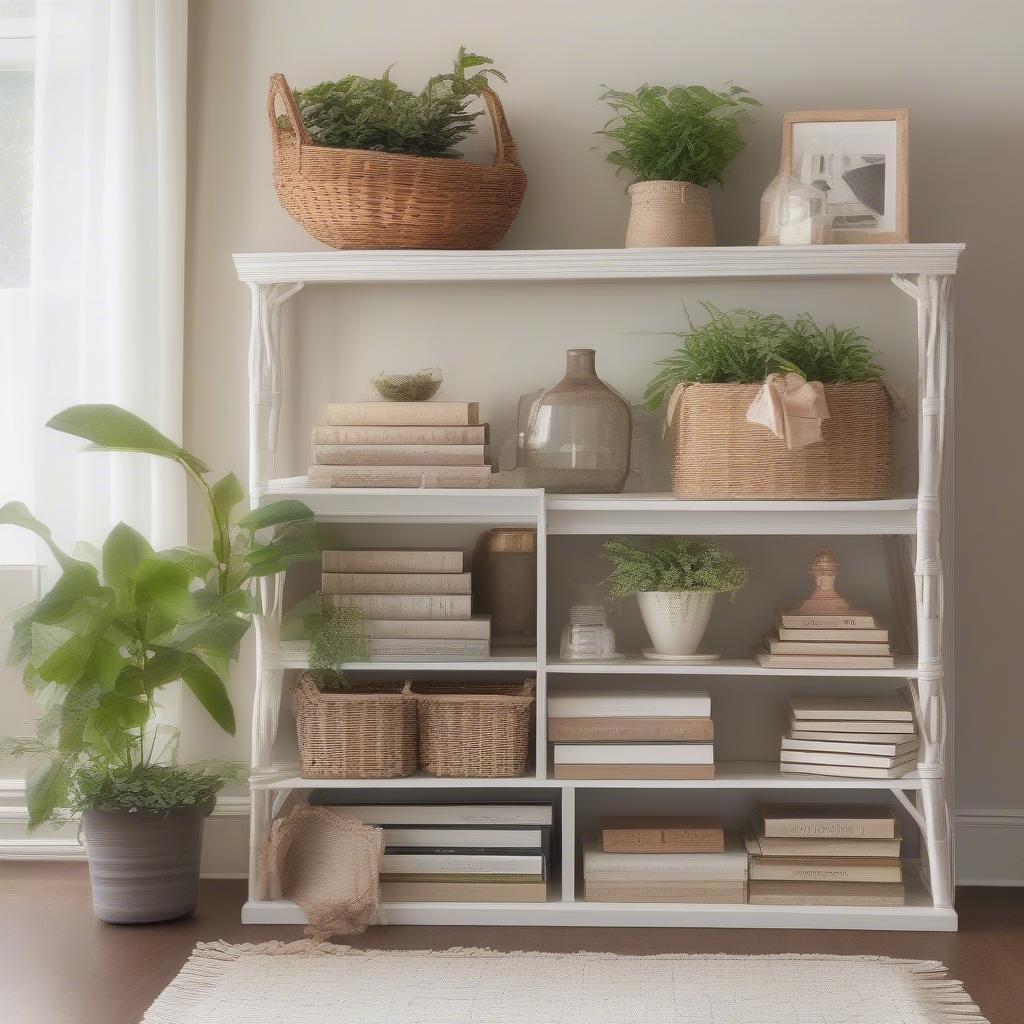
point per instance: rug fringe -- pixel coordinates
(943, 997)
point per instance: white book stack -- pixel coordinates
(416, 605)
(632, 734)
(865, 737)
(460, 852)
(401, 444)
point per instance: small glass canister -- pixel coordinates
(803, 217)
(587, 635)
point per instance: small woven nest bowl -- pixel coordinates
(408, 387)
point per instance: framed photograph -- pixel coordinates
(860, 159)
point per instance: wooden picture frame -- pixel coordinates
(894, 223)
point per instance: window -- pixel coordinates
(17, 98)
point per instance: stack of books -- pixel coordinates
(824, 631)
(460, 852)
(631, 734)
(867, 737)
(417, 605)
(400, 444)
(664, 860)
(825, 856)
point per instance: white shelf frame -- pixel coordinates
(924, 272)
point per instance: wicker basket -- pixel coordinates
(368, 732)
(475, 729)
(365, 199)
(718, 454)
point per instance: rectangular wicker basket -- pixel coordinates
(475, 729)
(718, 454)
(367, 732)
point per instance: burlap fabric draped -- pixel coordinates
(329, 864)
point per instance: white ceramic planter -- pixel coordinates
(676, 620)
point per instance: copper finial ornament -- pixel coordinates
(824, 600)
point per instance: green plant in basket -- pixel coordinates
(743, 346)
(118, 627)
(375, 113)
(682, 133)
(675, 565)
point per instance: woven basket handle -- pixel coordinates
(529, 687)
(505, 151)
(279, 87)
(305, 692)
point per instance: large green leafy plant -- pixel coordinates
(677, 564)
(375, 113)
(742, 346)
(682, 133)
(118, 627)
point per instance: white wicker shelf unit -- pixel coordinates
(925, 273)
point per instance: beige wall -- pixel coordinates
(955, 65)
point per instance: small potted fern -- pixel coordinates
(761, 406)
(348, 730)
(677, 143)
(674, 582)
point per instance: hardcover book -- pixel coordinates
(661, 834)
(634, 753)
(759, 845)
(416, 414)
(730, 865)
(476, 628)
(461, 864)
(791, 620)
(824, 661)
(810, 821)
(626, 729)
(897, 771)
(452, 477)
(467, 815)
(825, 729)
(799, 735)
(830, 647)
(421, 650)
(406, 606)
(629, 704)
(478, 838)
(634, 771)
(893, 748)
(664, 892)
(831, 870)
(827, 894)
(464, 892)
(392, 561)
(398, 435)
(398, 455)
(395, 583)
(822, 757)
(865, 708)
(867, 636)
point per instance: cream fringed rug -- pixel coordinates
(308, 983)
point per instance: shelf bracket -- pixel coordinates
(911, 808)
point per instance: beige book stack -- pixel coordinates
(863, 737)
(824, 631)
(631, 734)
(825, 856)
(401, 444)
(416, 605)
(670, 859)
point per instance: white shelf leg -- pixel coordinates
(265, 385)
(934, 297)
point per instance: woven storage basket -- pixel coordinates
(368, 732)
(475, 729)
(365, 199)
(718, 454)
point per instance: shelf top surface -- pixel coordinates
(729, 775)
(396, 266)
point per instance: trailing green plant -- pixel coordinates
(374, 113)
(678, 564)
(113, 631)
(742, 346)
(336, 635)
(682, 133)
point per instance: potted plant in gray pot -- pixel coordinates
(677, 143)
(105, 640)
(675, 582)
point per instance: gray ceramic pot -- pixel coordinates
(144, 867)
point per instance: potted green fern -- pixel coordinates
(98, 648)
(677, 143)
(675, 582)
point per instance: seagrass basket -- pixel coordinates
(475, 729)
(718, 454)
(367, 732)
(365, 199)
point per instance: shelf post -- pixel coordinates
(934, 297)
(265, 384)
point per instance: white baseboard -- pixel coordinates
(225, 842)
(990, 847)
(989, 843)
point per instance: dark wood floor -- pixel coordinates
(58, 965)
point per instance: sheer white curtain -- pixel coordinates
(107, 268)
